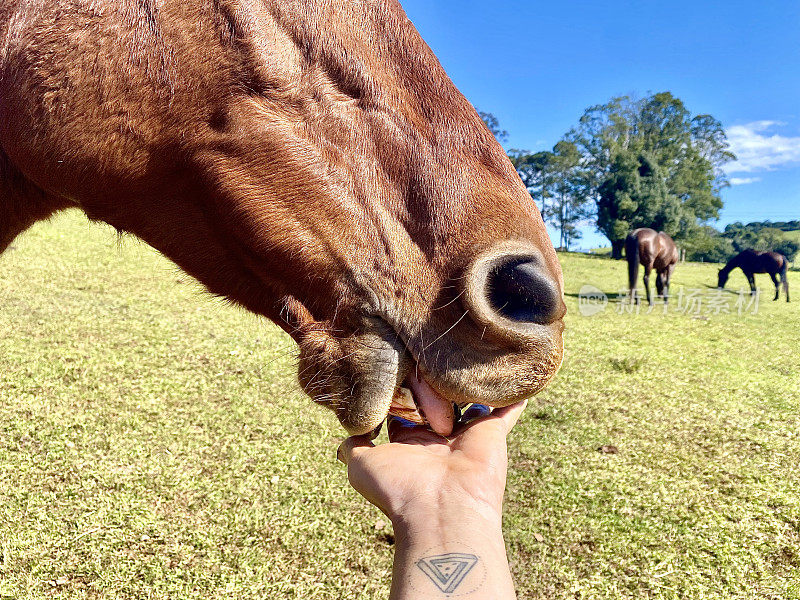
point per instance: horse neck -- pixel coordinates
(732, 264)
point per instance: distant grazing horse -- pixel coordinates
(654, 250)
(751, 262)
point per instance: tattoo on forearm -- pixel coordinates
(447, 571)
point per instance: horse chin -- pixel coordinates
(431, 397)
(365, 377)
(355, 376)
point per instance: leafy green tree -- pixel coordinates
(768, 239)
(774, 239)
(494, 126)
(711, 144)
(634, 194)
(649, 163)
(741, 237)
(556, 181)
(789, 248)
(708, 245)
(570, 202)
(537, 172)
(762, 236)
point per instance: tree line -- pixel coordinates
(635, 162)
(719, 246)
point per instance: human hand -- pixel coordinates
(420, 471)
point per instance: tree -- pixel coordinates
(556, 182)
(569, 205)
(708, 245)
(741, 237)
(789, 248)
(762, 236)
(649, 163)
(711, 145)
(634, 194)
(494, 126)
(537, 173)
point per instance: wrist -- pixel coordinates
(443, 513)
(447, 545)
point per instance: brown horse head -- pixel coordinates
(312, 162)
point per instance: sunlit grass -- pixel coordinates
(154, 444)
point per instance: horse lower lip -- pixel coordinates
(406, 404)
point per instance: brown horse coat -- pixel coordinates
(653, 250)
(307, 159)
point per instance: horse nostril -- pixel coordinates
(520, 291)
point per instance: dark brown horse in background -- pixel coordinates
(751, 262)
(654, 250)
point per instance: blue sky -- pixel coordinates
(538, 65)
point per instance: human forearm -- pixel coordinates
(453, 549)
(444, 497)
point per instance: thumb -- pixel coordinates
(509, 415)
(352, 446)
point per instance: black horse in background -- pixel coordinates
(752, 261)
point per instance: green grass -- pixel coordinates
(792, 235)
(154, 444)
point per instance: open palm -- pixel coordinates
(421, 466)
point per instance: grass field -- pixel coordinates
(154, 444)
(793, 235)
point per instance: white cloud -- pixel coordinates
(758, 148)
(743, 180)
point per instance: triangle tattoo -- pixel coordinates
(447, 571)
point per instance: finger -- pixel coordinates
(401, 430)
(509, 415)
(475, 412)
(499, 421)
(397, 428)
(352, 446)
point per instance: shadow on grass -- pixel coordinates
(627, 364)
(612, 296)
(618, 295)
